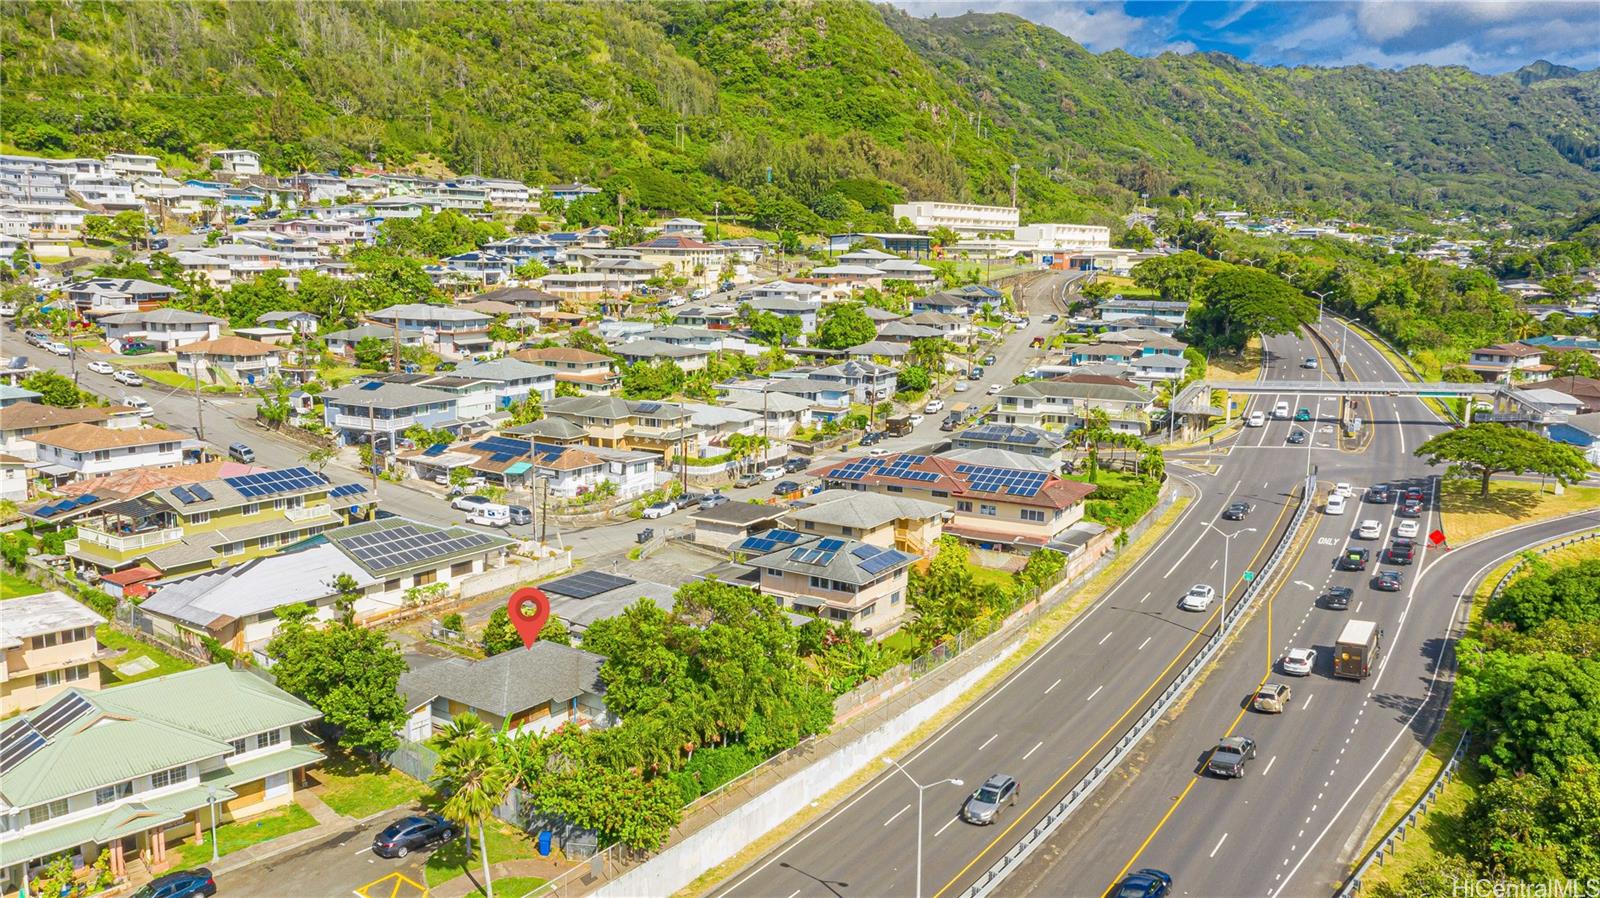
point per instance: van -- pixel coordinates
(490, 514)
(1281, 411)
(239, 452)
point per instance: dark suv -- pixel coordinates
(182, 884)
(1353, 559)
(1337, 598)
(1380, 494)
(409, 834)
(1401, 552)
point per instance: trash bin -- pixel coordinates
(544, 843)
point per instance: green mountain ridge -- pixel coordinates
(800, 114)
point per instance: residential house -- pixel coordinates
(1582, 431)
(721, 526)
(874, 350)
(945, 303)
(844, 580)
(344, 342)
(800, 292)
(1509, 363)
(11, 395)
(905, 332)
(229, 360)
(475, 397)
(380, 412)
(882, 519)
(107, 296)
(1100, 353)
(964, 218)
(223, 521)
(300, 322)
(698, 261)
(1017, 438)
(1159, 366)
(567, 472)
(951, 327)
(905, 270)
(828, 399)
(47, 645)
(866, 380)
(1170, 312)
(450, 331)
(995, 506)
(239, 163)
(514, 380)
(504, 194)
(783, 413)
(686, 357)
(569, 192)
(480, 267)
(79, 451)
(1142, 323)
(1585, 390)
(581, 286)
(535, 302)
(857, 277)
(782, 306)
(683, 227)
(13, 479)
(22, 421)
(524, 248)
(582, 599)
(124, 769)
(315, 187)
(133, 165)
(609, 422)
(537, 689)
(162, 329)
(590, 372)
(1065, 405)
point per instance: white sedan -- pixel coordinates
(660, 509)
(915, 420)
(772, 472)
(1407, 528)
(993, 389)
(1298, 662)
(1198, 598)
(100, 366)
(128, 378)
(961, 386)
(1369, 529)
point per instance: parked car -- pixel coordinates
(101, 366)
(1198, 598)
(138, 403)
(1272, 698)
(468, 502)
(182, 884)
(795, 465)
(36, 338)
(785, 487)
(1353, 559)
(520, 514)
(771, 472)
(878, 452)
(988, 359)
(1236, 511)
(1298, 662)
(915, 419)
(1407, 528)
(1401, 551)
(993, 389)
(712, 500)
(746, 481)
(1337, 598)
(983, 805)
(1230, 755)
(1369, 529)
(1387, 581)
(413, 833)
(933, 408)
(660, 509)
(871, 437)
(60, 349)
(127, 378)
(1297, 436)
(1146, 883)
(241, 453)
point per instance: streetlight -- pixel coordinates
(211, 799)
(1227, 544)
(920, 789)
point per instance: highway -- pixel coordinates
(1061, 708)
(1326, 767)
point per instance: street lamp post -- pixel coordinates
(1226, 545)
(211, 799)
(920, 789)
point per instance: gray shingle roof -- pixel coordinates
(508, 683)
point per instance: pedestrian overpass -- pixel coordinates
(1510, 406)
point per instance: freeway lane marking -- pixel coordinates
(1309, 697)
(897, 814)
(1104, 638)
(1053, 685)
(1034, 749)
(1095, 692)
(1142, 598)
(941, 830)
(1268, 769)
(794, 893)
(987, 741)
(1218, 845)
(1143, 644)
(1213, 565)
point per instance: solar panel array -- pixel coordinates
(999, 433)
(45, 511)
(273, 482)
(201, 492)
(895, 466)
(406, 545)
(820, 554)
(1015, 482)
(648, 408)
(346, 489)
(183, 495)
(875, 560)
(17, 743)
(549, 454)
(586, 585)
(436, 450)
(769, 541)
(61, 713)
(503, 446)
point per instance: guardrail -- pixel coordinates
(990, 879)
(1397, 833)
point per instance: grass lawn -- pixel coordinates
(899, 642)
(506, 843)
(168, 378)
(165, 663)
(986, 576)
(342, 374)
(1245, 367)
(511, 887)
(14, 586)
(1467, 516)
(1107, 479)
(357, 789)
(243, 833)
(1127, 287)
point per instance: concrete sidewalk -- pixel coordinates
(330, 825)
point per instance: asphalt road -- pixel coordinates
(334, 868)
(1293, 823)
(1056, 712)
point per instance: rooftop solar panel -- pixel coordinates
(586, 585)
(17, 743)
(182, 495)
(201, 492)
(831, 545)
(435, 450)
(45, 511)
(61, 713)
(882, 561)
(372, 385)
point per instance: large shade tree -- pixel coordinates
(1483, 450)
(1240, 302)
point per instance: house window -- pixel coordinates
(775, 573)
(461, 569)
(45, 812)
(1033, 514)
(238, 747)
(941, 494)
(200, 517)
(231, 548)
(269, 738)
(963, 506)
(45, 640)
(895, 598)
(896, 489)
(79, 634)
(838, 614)
(112, 793)
(391, 585)
(426, 577)
(849, 531)
(819, 582)
(811, 525)
(868, 611)
(987, 509)
(163, 778)
(48, 678)
(250, 508)
(74, 674)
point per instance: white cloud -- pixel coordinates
(1233, 15)
(1385, 20)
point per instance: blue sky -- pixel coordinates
(1484, 36)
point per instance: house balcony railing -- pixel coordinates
(309, 513)
(123, 543)
(363, 422)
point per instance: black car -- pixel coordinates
(1236, 511)
(871, 437)
(409, 834)
(1380, 494)
(785, 487)
(1337, 598)
(1146, 883)
(1409, 509)
(1401, 552)
(1353, 559)
(1297, 436)
(182, 884)
(1387, 581)
(795, 465)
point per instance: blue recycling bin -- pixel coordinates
(544, 843)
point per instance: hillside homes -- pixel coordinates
(47, 645)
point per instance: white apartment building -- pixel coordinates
(133, 165)
(963, 218)
(1047, 238)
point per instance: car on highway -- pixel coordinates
(1272, 698)
(101, 366)
(659, 509)
(1230, 756)
(468, 503)
(1303, 414)
(1343, 489)
(1388, 581)
(181, 884)
(1413, 494)
(1369, 529)
(785, 487)
(413, 833)
(1257, 419)
(1297, 436)
(1309, 363)
(1401, 551)
(1146, 883)
(1280, 411)
(772, 472)
(983, 805)
(1334, 504)
(1198, 598)
(1410, 508)
(746, 481)
(1407, 528)
(933, 408)
(993, 389)
(1298, 662)
(961, 386)
(1337, 598)
(1236, 511)
(712, 500)
(1380, 494)
(1353, 559)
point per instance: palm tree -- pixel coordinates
(472, 766)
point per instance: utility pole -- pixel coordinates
(199, 406)
(544, 510)
(1014, 169)
(395, 365)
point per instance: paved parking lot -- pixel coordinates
(335, 868)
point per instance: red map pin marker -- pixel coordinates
(529, 608)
